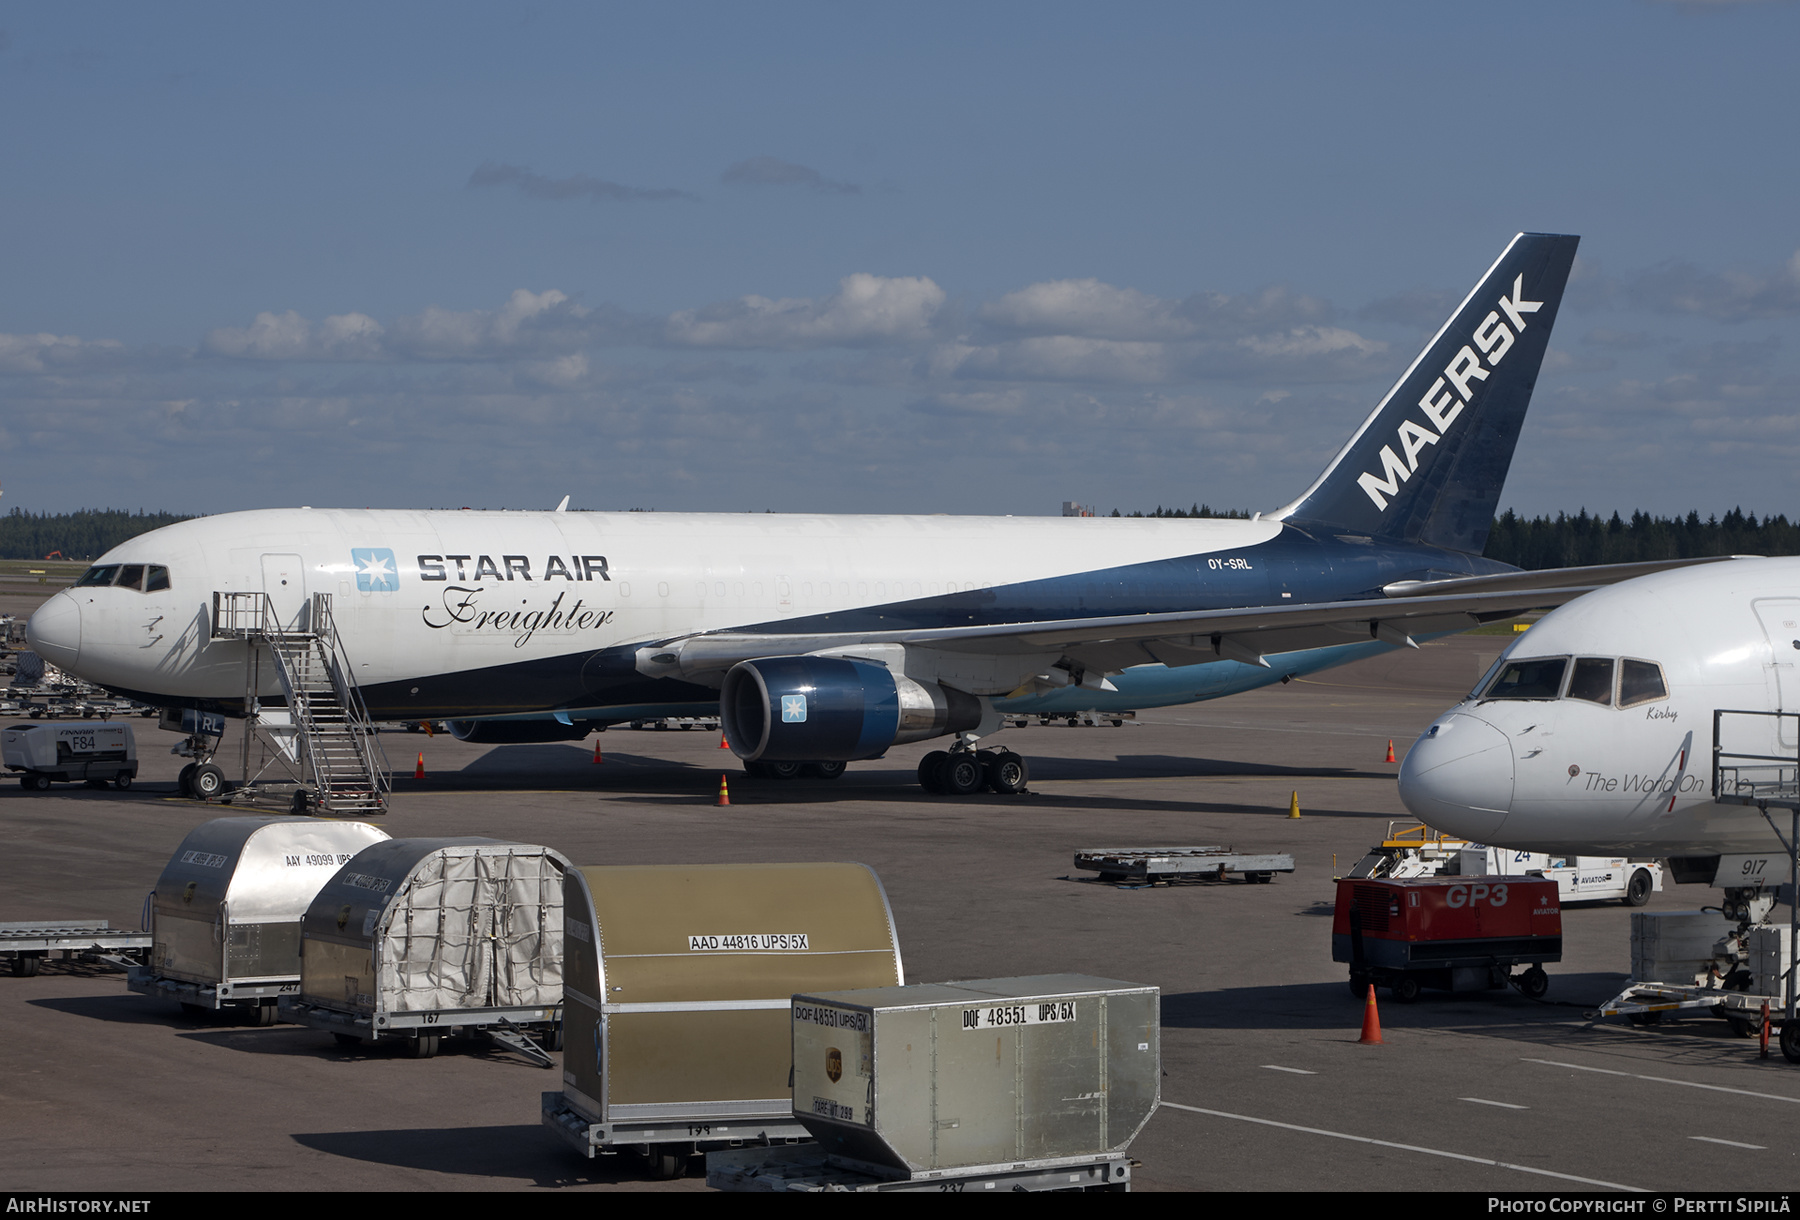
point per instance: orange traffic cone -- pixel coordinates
(1390, 757)
(419, 767)
(597, 757)
(723, 744)
(1371, 1031)
(724, 792)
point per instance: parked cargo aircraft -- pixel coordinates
(1595, 731)
(823, 639)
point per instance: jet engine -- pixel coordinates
(517, 732)
(833, 709)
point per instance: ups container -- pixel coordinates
(949, 1079)
(225, 914)
(1451, 933)
(679, 983)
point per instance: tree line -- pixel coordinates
(86, 534)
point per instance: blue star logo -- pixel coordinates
(376, 571)
(793, 709)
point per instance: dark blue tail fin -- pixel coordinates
(1428, 465)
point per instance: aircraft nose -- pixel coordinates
(1458, 777)
(54, 631)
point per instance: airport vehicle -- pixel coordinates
(1166, 865)
(824, 640)
(1454, 934)
(28, 942)
(98, 754)
(1420, 851)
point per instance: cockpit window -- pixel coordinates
(1592, 680)
(1489, 675)
(98, 576)
(1538, 678)
(1640, 682)
(156, 578)
(131, 576)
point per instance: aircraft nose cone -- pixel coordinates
(1458, 777)
(54, 631)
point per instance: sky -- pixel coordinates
(854, 258)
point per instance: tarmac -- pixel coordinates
(1265, 1084)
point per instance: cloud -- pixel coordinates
(1730, 296)
(288, 336)
(50, 353)
(577, 186)
(772, 171)
(866, 311)
(1423, 307)
(1093, 309)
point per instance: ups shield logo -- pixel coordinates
(834, 1064)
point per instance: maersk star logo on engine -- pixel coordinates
(376, 571)
(793, 709)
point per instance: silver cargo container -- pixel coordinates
(225, 914)
(951, 1079)
(679, 983)
(418, 938)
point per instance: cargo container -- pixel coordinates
(420, 939)
(225, 914)
(1453, 934)
(680, 981)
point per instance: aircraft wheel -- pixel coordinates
(1406, 989)
(823, 770)
(422, 1047)
(207, 782)
(184, 781)
(1006, 773)
(931, 771)
(122, 781)
(783, 770)
(1790, 1041)
(1534, 983)
(962, 773)
(1637, 890)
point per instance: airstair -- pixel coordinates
(320, 754)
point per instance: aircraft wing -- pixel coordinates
(1109, 644)
(1590, 577)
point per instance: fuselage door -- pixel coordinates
(284, 580)
(1780, 619)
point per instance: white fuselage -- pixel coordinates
(426, 595)
(1552, 766)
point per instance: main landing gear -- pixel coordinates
(964, 771)
(794, 770)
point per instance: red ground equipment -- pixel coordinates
(1451, 933)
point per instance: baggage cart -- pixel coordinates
(416, 940)
(1165, 865)
(1453, 934)
(97, 754)
(225, 914)
(680, 981)
(28, 942)
(1047, 1078)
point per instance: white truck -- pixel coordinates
(97, 752)
(1418, 851)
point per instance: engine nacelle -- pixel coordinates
(833, 709)
(517, 732)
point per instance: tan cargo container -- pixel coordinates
(225, 914)
(678, 993)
